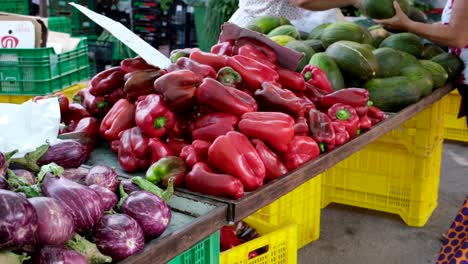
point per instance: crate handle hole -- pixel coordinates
(258, 252)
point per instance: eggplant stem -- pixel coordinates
(87, 249)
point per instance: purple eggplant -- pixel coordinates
(150, 211)
(118, 235)
(104, 176)
(109, 198)
(67, 154)
(26, 175)
(76, 174)
(129, 187)
(54, 220)
(58, 255)
(83, 202)
(18, 220)
(4, 183)
(3, 165)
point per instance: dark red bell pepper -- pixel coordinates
(269, 52)
(355, 97)
(62, 100)
(226, 99)
(107, 81)
(274, 168)
(197, 152)
(201, 70)
(152, 116)
(75, 113)
(347, 115)
(273, 98)
(313, 93)
(88, 125)
(179, 53)
(97, 106)
(178, 89)
(228, 238)
(300, 150)
(213, 60)
(136, 64)
(116, 95)
(140, 83)
(234, 154)
(291, 80)
(229, 77)
(211, 126)
(176, 145)
(121, 117)
(202, 179)
(375, 114)
(114, 146)
(308, 104)
(180, 128)
(199, 111)
(301, 128)
(166, 168)
(253, 72)
(365, 123)
(321, 129)
(341, 134)
(318, 78)
(223, 48)
(274, 128)
(158, 149)
(252, 52)
(134, 153)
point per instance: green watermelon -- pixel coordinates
(407, 42)
(286, 30)
(389, 62)
(299, 46)
(439, 75)
(344, 30)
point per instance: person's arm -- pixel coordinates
(319, 5)
(454, 34)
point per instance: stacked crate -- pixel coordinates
(81, 24)
(15, 6)
(150, 22)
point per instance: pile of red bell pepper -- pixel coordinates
(233, 116)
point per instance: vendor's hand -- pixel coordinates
(399, 22)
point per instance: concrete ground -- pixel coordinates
(351, 235)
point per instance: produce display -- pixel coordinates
(73, 215)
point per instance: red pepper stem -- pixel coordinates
(343, 114)
(160, 122)
(370, 103)
(307, 76)
(101, 105)
(322, 147)
(358, 132)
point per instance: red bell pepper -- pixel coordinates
(158, 150)
(96, 105)
(75, 113)
(140, 83)
(234, 154)
(269, 52)
(355, 97)
(228, 238)
(202, 179)
(229, 77)
(375, 114)
(179, 53)
(252, 52)
(347, 115)
(176, 145)
(274, 128)
(180, 128)
(88, 125)
(197, 152)
(178, 89)
(365, 123)
(313, 93)
(273, 98)
(201, 70)
(107, 81)
(291, 80)
(206, 58)
(308, 104)
(321, 129)
(318, 78)
(134, 153)
(116, 95)
(199, 111)
(211, 126)
(136, 64)
(114, 146)
(274, 168)
(301, 128)
(253, 72)
(152, 116)
(223, 48)
(341, 134)
(300, 150)
(121, 117)
(62, 100)
(226, 99)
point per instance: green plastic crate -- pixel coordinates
(41, 71)
(15, 6)
(60, 24)
(205, 252)
(81, 25)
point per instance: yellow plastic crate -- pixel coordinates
(19, 99)
(455, 128)
(387, 178)
(281, 241)
(302, 205)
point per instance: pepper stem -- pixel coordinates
(307, 76)
(322, 147)
(343, 114)
(370, 103)
(101, 105)
(358, 132)
(160, 122)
